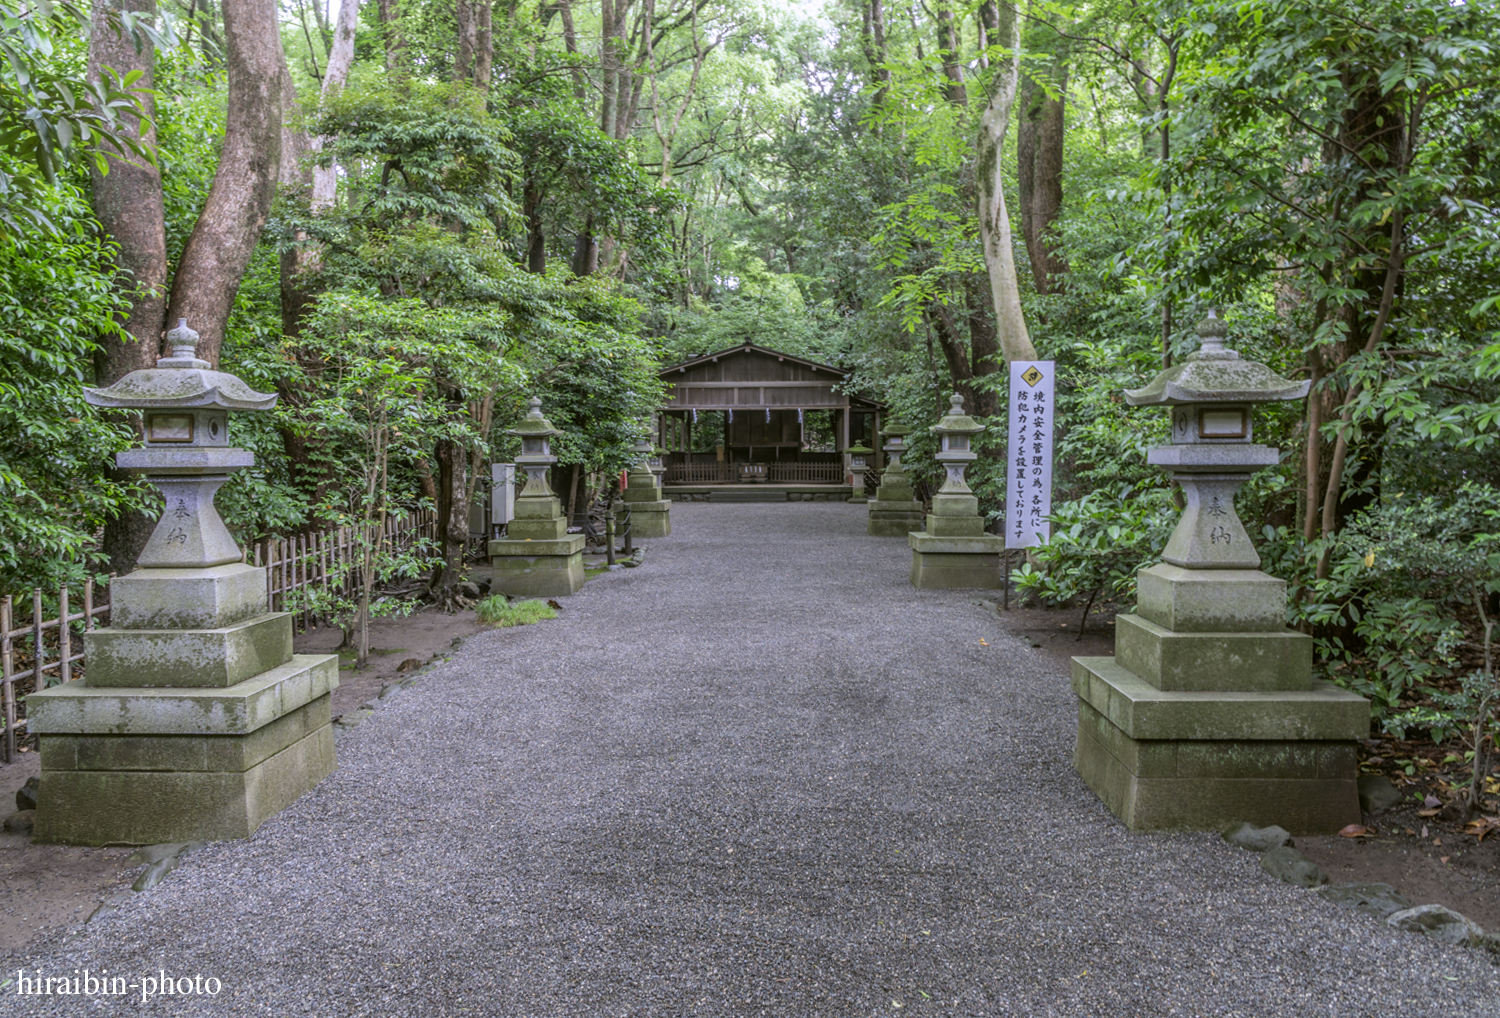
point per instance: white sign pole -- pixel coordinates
(1029, 494)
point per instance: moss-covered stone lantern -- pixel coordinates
(195, 721)
(894, 511)
(954, 551)
(859, 461)
(1208, 713)
(537, 556)
(650, 514)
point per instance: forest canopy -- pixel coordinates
(420, 213)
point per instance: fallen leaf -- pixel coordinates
(1355, 831)
(1432, 802)
(983, 642)
(1424, 813)
(1438, 842)
(1443, 859)
(552, 603)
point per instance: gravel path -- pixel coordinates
(760, 775)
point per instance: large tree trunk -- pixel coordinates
(340, 59)
(128, 202)
(219, 249)
(994, 220)
(452, 516)
(947, 26)
(1039, 165)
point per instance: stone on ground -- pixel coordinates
(1439, 923)
(1292, 866)
(1258, 839)
(1376, 793)
(1378, 899)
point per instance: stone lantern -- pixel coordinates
(650, 514)
(859, 461)
(194, 721)
(537, 556)
(1208, 713)
(954, 551)
(894, 511)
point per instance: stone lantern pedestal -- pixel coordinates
(894, 511)
(537, 557)
(194, 721)
(857, 459)
(650, 514)
(1208, 713)
(954, 551)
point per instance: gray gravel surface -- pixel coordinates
(760, 775)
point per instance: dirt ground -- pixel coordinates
(47, 888)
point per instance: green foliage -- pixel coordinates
(501, 612)
(50, 112)
(1098, 544)
(56, 295)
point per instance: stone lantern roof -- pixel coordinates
(956, 422)
(1215, 374)
(859, 449)
(180, 381)
(896, 429)
(534, 425)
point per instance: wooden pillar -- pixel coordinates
(876, 443)
(687, 435)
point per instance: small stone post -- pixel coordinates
(1208, 713)
(195, 721)
(537, 556)
(955, 551)
(650, 514)
(859, 459)
(894, 511)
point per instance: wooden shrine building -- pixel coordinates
(758, 402)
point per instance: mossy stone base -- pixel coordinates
(537, 568)
(537, 530)
(208, 598)
(1305, 787)
(543, 507)
(137, 658)
(152, 799)
(894, 517)
(1213, 661)
(650, 519)
(948, 563)
(1173, 760)
(1211, 600)
(80, 708)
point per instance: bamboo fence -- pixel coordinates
(40, 651)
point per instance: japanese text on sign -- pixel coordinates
(1029, 462)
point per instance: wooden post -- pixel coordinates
(64, 636)
(7, 678)
(37, 679)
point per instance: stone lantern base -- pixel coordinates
(650, 514)
(538, 558)
(1208, 713)
(893, 510)
(197, 733)
(954, 551)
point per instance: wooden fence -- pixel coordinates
(782, 473)
(38, 651)
(807, 473)
(50, 638)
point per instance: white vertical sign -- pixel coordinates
(1029, 494)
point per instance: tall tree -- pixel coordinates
(219, 249)
(129, 204)
(994, 218)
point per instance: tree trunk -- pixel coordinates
(129, 204)
(466, 18)
(947, 25)
(452, 516)
(340, 59)
(389, 16)
(219, 249)
(1039, 152)
(994, 220)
